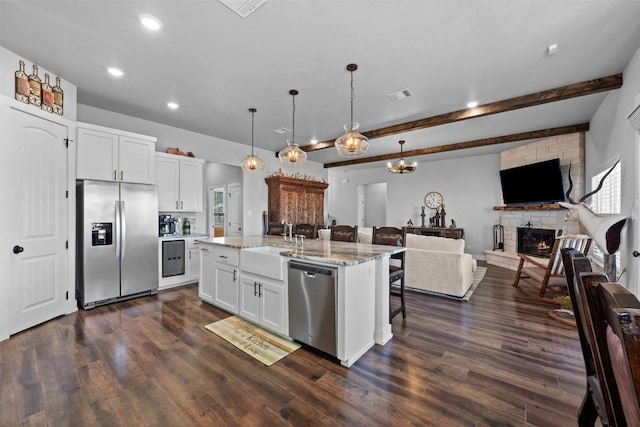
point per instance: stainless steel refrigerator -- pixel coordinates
(117, 241)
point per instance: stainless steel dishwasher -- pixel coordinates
(312, 305)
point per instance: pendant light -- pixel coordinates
(252, 163)
(352, 143)
(400, 165)
(293, 155)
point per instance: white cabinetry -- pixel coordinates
(262, 301)
(180, 183)
(112, 155)
(225, 279)
(205, 287)
(193, 260)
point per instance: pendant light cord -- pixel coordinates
(352, 97)
(293, 126)
(252, 120)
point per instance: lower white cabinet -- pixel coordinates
(205, 286)
(262, 301)
(192, 267)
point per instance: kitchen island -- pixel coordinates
(232, 267)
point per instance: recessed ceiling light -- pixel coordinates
(472, 104)
(313, 141)
(173, 105)
(115, 72)
(150, 22)
(552, 49)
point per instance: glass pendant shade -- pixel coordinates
(401, 165)
(352, 143)
(252, 163)
(293, 155)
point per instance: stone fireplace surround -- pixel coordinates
(570, 150)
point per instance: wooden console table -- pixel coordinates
(451, 233)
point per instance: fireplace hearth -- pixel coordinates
(535, 241)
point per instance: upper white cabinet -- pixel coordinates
(112, 155)
(180, 183)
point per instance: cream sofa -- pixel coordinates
(438, 264)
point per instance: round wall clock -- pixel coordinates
(433, 200)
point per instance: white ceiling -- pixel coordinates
(216, 64)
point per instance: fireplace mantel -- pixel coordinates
(541, 207)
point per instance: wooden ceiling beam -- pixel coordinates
(543, 133)
(574, 90)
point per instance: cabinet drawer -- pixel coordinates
(226, 256)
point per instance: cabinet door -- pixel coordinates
(206, 285)
(225, 289)
(289, 205)
(191, 177)
(168, 180)
(136, 160)
(272, 302)
(193, 259)
(249, 307)
(97, 155)
(315, 207)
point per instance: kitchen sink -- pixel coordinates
(264, 261)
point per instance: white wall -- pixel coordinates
(211, 149)
(610, 136)
(470, 187)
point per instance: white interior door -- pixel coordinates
(234, 209)
(38, 221)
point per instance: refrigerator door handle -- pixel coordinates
(123, 220)
(117, 231)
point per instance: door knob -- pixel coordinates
(17, 249)
(635, 254)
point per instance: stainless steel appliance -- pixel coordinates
(117, 242)
(312, 305)
(172, 258)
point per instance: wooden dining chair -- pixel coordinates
(608, 322)
(393, 236)
(310, 231)
(616, 319)
(593, 404)
(275, 229)
(540, 278)
(344, 233)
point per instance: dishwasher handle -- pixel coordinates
(312, 270)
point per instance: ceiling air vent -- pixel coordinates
(282, 130)
(634, 118)
(400, 94)
(243, 8)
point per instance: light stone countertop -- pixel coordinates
(325, 251)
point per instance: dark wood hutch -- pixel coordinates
(295, 200)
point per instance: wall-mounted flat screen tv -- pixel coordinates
(536, 183)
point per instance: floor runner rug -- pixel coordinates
(262, 345)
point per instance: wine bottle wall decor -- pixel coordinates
(31, 90)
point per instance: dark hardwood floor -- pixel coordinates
(497, 360)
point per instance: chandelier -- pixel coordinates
(401, 165)
(352, 143)
(293, 155)
(252, 163)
